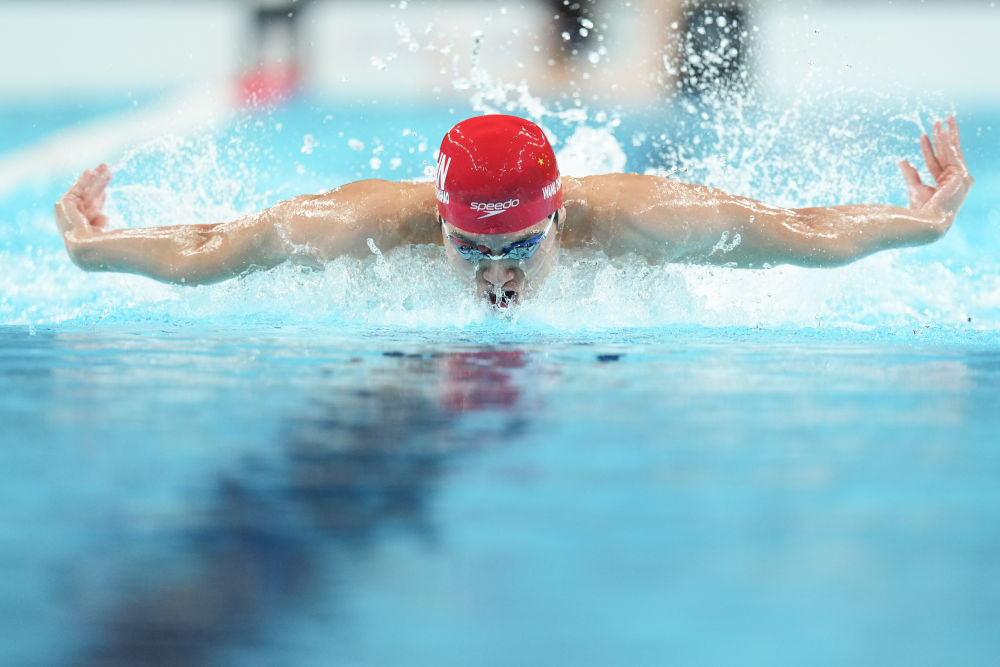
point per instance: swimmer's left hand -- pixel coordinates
(946, 164)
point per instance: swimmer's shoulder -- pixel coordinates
(598, 206)
(603, 191)
(381, 193)
(340, 221)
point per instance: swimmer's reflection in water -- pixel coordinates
(481, 380)
(358, 464)
(501, 209)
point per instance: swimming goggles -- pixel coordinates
(517, 251)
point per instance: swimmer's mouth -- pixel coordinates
(506, 299)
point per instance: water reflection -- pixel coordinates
(759, 477)
(356, 462)
(480, 380)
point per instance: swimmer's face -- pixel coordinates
(504, 282)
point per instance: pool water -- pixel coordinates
(302, 496)
(644, 465)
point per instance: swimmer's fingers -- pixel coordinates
(95, 194)
(955, 176)
(956, 140)
(944, 147)
(69, 217)
(94, 183)
(948, 149)
(80, 208)
(929, 158)
(919, 193)
(94, 211)
(99, 221)
(910, 174)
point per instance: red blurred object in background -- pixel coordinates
(269, 85)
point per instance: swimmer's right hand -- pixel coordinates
(78, 212)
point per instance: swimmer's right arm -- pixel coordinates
(309, 229)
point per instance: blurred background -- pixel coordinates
(413, 49)
(174, 65)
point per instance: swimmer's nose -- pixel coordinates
(497, 274)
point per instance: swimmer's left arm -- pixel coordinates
(666, 220)
(836, 235)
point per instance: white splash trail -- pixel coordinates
(86, 144)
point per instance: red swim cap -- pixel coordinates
(496, 175)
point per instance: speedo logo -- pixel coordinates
(494, 208)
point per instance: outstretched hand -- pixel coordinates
(946, 164)
(79, 210)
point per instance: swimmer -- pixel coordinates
(501, 210)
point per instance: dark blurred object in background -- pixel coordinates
(697, 48)
(573, 25)
(714, 55)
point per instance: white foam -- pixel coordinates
(414, 288)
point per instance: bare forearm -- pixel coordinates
(836, 235)
(186, 254)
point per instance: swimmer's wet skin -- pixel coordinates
(501, 209)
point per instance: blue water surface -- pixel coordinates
(361, 466)
(315, 497)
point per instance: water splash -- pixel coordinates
(414, 288)
(825, 148)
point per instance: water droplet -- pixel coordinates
(309, 143)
